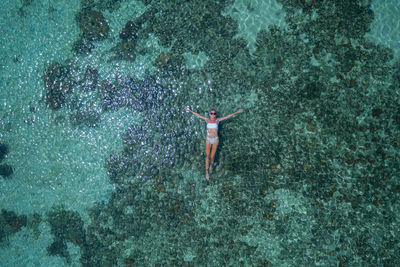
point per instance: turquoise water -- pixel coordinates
(100, 165)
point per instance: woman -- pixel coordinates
(212, 135)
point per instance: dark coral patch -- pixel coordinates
(6, 170)
(89, 81)
(312, 90)
(3, 151)
(82, 46)
(377, 111)
(58, 85)
(66, 226)
(124, 51)
(129, 32)
(13, 220)
(58, 248)
(93, 25)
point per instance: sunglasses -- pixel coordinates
(213, 113)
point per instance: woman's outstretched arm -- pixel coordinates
(230, 115)
(196, 114)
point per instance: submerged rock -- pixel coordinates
(124, 51)
(13, 221)
(6, 170)
(90, 78)
(82, 46)
(89, 118)
(163, 59)
(58, 84)
(169, 61)
(3, 151)
(84, 110)
(93, 25)
(58, 248)
(66, 226)
(129, 32)
(312, 90)
(140, 94)
(377, 111)
(107, 93)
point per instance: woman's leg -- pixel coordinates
(208, 146)
(213, 151)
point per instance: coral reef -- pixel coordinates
(25, 4)
(110, 5)
(133, 31)
(92, 24)
(3, 151)
(83, 104)
(58, 84)
(129, 32)
(89, 81)
(85, 117)
(10, 223)
(75, 89)
(94, 28)
(306, 175)
(158, 142)
(66, 226)
(6, 170)
(82, 46)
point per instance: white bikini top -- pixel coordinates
(212, 125)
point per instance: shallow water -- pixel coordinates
(102, 166)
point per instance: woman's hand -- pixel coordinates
(239, 110)
(187, 109)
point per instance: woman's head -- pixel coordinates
(213, 113)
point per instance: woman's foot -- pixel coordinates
(210, 169)
(207, 176)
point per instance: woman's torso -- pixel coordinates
(212, 128)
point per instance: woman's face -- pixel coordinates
(213, 113)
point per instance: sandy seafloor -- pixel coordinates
(307, 175)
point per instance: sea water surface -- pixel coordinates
(100, 164)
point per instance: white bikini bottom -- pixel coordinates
(212, 140)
